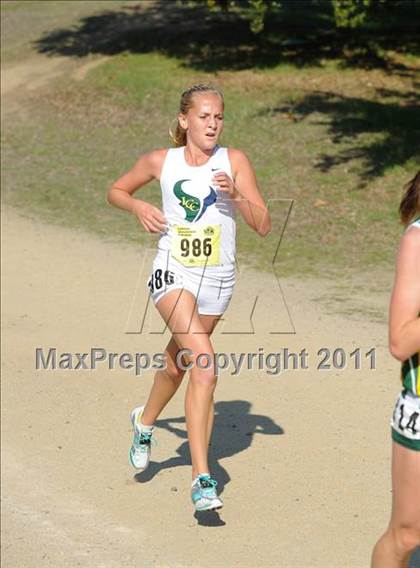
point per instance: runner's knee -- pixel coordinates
(173, 371)
(202, 371)
(407, 538)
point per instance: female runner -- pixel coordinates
(403, 534)
(193, 273)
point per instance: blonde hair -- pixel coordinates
(410, 203)
(179, 137)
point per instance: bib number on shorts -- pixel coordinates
(196, 246)
(160, 278)
(406, 418)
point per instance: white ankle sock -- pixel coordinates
(143, 427)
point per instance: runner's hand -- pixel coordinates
(225, 183)
(149, 216)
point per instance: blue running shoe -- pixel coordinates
(204, 495)
(141, 447)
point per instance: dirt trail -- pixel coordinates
(302, 458)
(40, 70)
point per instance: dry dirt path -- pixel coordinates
(303, 458)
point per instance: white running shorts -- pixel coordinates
(212, 286)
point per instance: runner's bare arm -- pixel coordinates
(147, 168)
(245, 192)
(404, 323)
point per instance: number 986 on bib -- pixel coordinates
(196, 246)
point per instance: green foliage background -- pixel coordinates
(329, 121)
(347, 13)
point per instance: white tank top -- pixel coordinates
(189, 198)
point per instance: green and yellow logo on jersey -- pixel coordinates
(191, 204)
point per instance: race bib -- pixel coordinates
(196, 245)
(406, 417)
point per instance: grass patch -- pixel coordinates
(338, 142)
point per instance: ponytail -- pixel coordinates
(179, 137)
(410, 203)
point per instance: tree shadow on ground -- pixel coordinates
(301, 34)
(395, 128)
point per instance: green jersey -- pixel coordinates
(410, 372)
